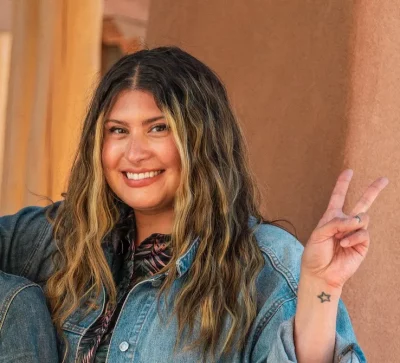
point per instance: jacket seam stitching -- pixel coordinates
(265, 320)
(9, 300)
(73, 328)
(281, 268)
(30, 260)
(141, 328)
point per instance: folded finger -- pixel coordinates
(362, 218)
(340, 225)
(361, 236)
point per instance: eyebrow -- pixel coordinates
(144, 122)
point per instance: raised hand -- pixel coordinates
(340, 242)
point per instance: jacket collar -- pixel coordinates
(184, 262)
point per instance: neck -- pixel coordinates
(148, 222)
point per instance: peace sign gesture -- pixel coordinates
(340, 242)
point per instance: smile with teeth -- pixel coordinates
(151, 174)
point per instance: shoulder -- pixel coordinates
(26, 241)
(276, 284)
(282, 254)
(281, 248)
(29, 218)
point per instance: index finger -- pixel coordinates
(340, 190)
(369, 196)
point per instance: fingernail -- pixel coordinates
(344, 242)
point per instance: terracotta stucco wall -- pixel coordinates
(286, 72)
(373, 146)
(297, 78)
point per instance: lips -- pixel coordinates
(141, 182)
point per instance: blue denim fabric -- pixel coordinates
(140, 335)
(26, 332)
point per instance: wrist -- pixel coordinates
(314, 283)
(315, 319)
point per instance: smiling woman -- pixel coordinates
(158, 252)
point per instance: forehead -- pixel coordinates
(134, 104)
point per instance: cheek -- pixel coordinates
(178, 161)
(105, 164)
(173, 156)
(105, 160)
(110, 155)
(109, 160)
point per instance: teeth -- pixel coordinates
(141, 176)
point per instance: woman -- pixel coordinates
(159, 253)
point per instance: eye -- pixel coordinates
(116, 130)
(160, 128)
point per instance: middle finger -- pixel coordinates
(369, 196)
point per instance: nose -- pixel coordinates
(137, 149)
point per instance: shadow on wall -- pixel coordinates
(286, 69)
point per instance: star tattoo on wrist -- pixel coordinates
(324, 297)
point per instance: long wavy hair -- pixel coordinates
(216, 196)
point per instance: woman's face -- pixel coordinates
(140, 160)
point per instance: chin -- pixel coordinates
(145, 206)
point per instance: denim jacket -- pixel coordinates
(140, 336)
